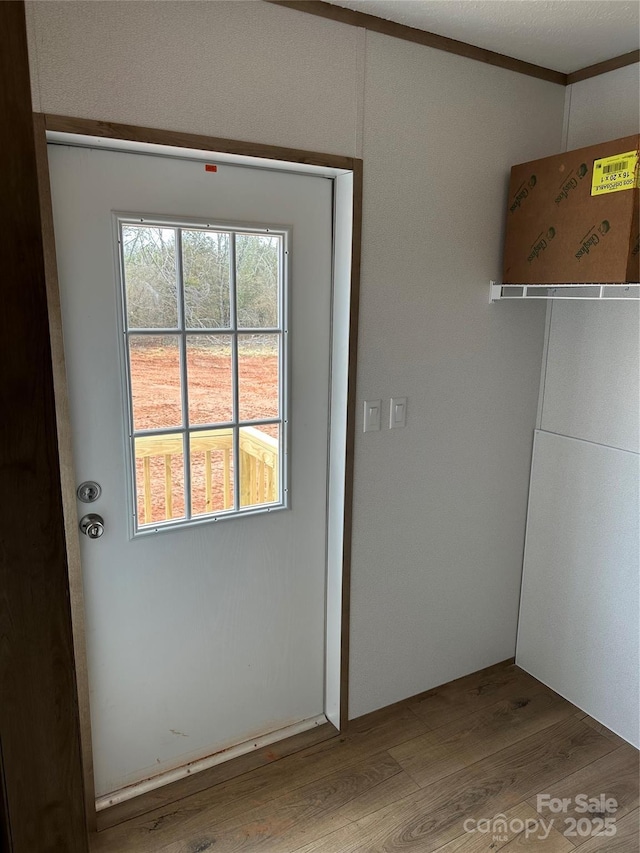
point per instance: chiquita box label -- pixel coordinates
(613, 174)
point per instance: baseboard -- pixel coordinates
(212, 776)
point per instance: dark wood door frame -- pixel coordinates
(41, 786)
(174, 139)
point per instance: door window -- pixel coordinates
(205, 349)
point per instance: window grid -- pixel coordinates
(181, 332)
(184, 384)
(233, 320)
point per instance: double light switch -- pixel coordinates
(373, 412)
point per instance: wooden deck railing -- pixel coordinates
(258, 467)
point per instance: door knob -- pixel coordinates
(92, 525)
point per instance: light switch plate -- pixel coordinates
(372, 415)
(398, 412)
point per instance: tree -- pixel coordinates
(257, 280)
(151, 277)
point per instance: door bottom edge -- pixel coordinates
(177, 774)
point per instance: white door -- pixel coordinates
(196, 315)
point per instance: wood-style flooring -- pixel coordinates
(416, 777)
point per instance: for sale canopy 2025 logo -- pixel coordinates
(590, 817)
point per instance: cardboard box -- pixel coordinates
(574, 218)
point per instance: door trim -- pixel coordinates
(67, 469)
(44, 122)
(177, 139)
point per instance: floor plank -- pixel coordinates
(281, 825)
(436, 815)
(387, 792)
(603, 730)
(439, 753)
(472, 693)
(615, 776)
(624, 841)
(394, 784)
(520, 829)
(432, 817)
(267, 783)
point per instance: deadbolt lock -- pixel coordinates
(88, 492)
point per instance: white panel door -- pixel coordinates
(203, 635)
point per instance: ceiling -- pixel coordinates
(565, 35)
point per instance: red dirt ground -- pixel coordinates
(155, 378)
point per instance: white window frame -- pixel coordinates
(181, 333)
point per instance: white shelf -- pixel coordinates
(583, 292)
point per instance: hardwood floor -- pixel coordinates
(425, 775)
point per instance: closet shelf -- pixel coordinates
(584, 292)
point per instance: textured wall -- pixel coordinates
(244, 70)
(604, 107)
(439, 506)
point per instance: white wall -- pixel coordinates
(578, 629)
(243, 70)
(590, 392)
(604, 107)
(440, 506)
(593, 358)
